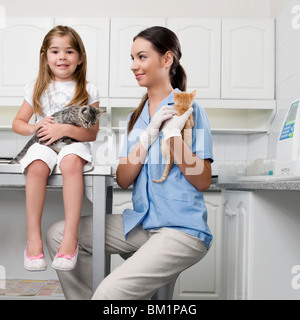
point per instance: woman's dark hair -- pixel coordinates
(162, 40)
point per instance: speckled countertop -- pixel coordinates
(275, 184)
(260, 184)
(213, 187)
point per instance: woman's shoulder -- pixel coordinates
(198, 108)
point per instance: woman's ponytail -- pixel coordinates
(178, 78)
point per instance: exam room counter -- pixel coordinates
(275, 185)
(213, 187)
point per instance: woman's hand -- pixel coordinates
(152, 131)
(173, 127)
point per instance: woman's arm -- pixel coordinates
(197, 171)
(129, 167)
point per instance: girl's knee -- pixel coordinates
(38, 168)
(71, 164)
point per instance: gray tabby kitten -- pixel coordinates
(80, 116)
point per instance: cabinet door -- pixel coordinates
(248, 59)
(201, 54)
(20, 44)
(123, 30)
(203, 280)
(236, 226)
(95, 36)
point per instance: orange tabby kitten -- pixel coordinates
(182, 102)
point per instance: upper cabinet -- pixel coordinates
(95, 36)
(248, 58)
(122, 82)
(200, 41)
(20, 44)
(229, 58)
(230, 62)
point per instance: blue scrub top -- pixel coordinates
(175, 203)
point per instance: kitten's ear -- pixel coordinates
(99, 112)
(194, 93)
(84, 109)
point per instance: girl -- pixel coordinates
(61, 82)
(167, 230)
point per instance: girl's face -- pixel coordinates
(148, 66)
(62, 59)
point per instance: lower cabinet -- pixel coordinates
(203, 280)
(261, 258)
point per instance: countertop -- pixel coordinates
(263, 183)
(213, 187)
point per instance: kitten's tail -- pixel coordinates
(166, 171)
(22, 153)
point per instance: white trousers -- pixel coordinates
(159, 257)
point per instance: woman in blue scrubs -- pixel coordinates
(166, 231)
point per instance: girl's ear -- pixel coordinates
(80, 61)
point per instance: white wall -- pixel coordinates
(287, 69)
(155, 8)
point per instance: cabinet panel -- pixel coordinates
(248, 59)
(95, 36)
(20, 45)
(201, 53)
(236, 215)
(123, 30)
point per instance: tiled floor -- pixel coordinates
(48, 289)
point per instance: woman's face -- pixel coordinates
(148, 66)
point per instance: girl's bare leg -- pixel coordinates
(36, 187)
(71, 167)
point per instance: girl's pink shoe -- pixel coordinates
(35, 263)
(64, 262)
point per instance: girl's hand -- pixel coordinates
(51, 132)
(43, 122)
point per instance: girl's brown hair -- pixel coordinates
(162, 40)
(45, 74)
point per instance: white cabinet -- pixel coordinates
(230, 62)
(248, 58)
(95, 36)
(235, 241)
(200, 41)
(261, 244)
(123, 30)
(203, 280)
(20, 45)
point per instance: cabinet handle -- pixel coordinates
(229, 212)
